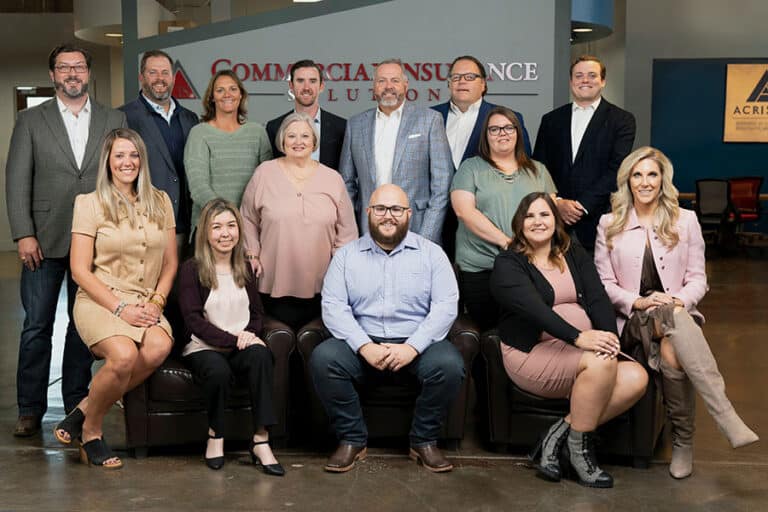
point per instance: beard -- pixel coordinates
(74, 89)
(394, 239)
(391, 100)
(149, 92)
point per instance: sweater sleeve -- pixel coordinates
(256, 322)
(193, 310)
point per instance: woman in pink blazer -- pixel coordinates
(650, 256)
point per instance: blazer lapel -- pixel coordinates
(369, 138)
(95, 133)
(406, 121)
(55, 123)
(474, 137)
(565, 143)
(156, 138)
(325, 128)
(593, 127)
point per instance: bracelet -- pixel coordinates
(119, 309)
(156, 303)
(160, 302)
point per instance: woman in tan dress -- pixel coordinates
(123, 257)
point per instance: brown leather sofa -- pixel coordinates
(517, 418)
(388, 402)
(169, 408)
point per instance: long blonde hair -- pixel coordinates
(667, 211)
(112, 201)
(206, 264)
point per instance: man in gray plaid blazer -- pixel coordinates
(53, 156)
(400, 143)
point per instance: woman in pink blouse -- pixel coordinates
(296, 213)
(650, 256)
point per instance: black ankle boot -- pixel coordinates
(545, 455)
(580, 449)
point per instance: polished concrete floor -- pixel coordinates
(38, 474)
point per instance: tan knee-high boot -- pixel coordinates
(680, 400)
(694, 355)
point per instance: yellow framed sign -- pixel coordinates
(746, 103)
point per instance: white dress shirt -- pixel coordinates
(458, 128)
(316, 152)
(77, 128)
(160, 109)
(580, 117)
(385, 138)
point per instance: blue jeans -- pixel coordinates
(39, 297)
(335, 368)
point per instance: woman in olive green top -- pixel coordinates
(223, 150)
(485, 194)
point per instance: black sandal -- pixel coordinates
(72, 424)
(268, 469)
(97, 452)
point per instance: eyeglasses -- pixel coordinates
(508, 129)
(380, 210)
(469, 77)
(66, 68)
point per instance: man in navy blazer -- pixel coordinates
(400, 143)
(306, 84)
(467, 83)
(582, 145)
(164, 125)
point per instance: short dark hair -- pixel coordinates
(306, 63)
(477, 63)
(153, 53)
(589, 58)
(68, 48)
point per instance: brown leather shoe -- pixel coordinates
(431, 457)
(27, 426)
(344, 458)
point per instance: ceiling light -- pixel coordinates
(585, 29)
(113, 34)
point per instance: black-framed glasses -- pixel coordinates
(469, 77)
(508, 129)
(66, 68)
(397, 211)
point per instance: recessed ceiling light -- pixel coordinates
(113, 34)
(585, 29)
(306, 1)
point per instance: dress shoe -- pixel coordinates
(431, 458)
(275, 469)
(27, 426)
(344, 458)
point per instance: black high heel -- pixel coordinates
(214, 462)
(72, 424)
(268, 469)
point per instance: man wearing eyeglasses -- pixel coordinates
(389, 299)
(164, 125)
(465, 113)
(582, 144)
(401, 143)
(53, 156)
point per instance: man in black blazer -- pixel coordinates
(164, 125)
(306, 84)
(53, 156)
(582, 145)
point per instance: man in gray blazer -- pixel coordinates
(400, 143)
(53, 156)
(164, 125)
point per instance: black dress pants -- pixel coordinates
(217, 371)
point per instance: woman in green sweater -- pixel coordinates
(223, 150)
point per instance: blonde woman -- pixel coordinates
(123, 257)
(650, 256)
(219, 299)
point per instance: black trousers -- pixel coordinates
(475, 292)
(217, 371)
(293, 311)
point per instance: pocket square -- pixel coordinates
(414, 135)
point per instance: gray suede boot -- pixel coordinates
(694, 355)
(581, 453)
(680, 401)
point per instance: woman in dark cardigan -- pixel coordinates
(219, 300)
(559, 334)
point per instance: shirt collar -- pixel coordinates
(397, 113)
(592, 106)
(64, 108)
(159, 108)
(410, 242)
(475, 107)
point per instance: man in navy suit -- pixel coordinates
(164, 125)
(464, 116)
(582, 144)
(306, 84)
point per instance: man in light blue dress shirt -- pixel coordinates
(389, 300)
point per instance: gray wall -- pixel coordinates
(686, 29)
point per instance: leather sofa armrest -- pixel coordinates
(279, 338)
(465, 336)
